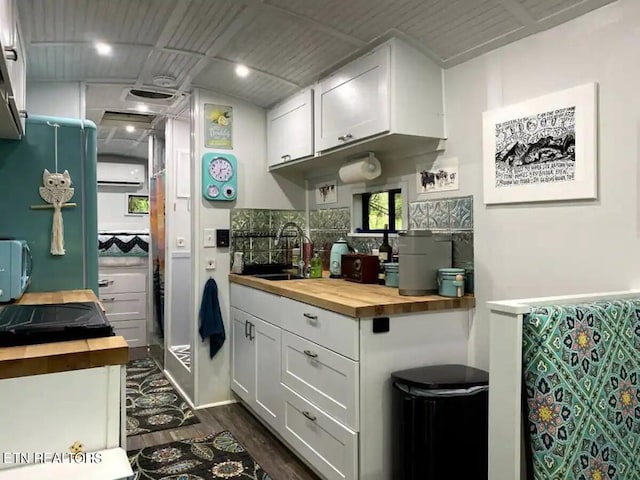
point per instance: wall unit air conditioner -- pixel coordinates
(120, 174)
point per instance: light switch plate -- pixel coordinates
(209, 237)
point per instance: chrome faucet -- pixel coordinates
(300, 237)
(285, 226)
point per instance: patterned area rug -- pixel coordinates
(581, 365)
(152, 403)
(202, 458)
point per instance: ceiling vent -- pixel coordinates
(119, 119)
(150, 95)
(165, 81)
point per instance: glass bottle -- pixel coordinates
(385, 253)
(316, 266)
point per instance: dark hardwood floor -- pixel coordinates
(276, 459)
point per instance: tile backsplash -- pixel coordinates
(253, 230)
(448, 215)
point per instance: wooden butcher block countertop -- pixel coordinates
(27, 360)
(353, 299)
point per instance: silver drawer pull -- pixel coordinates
(345, 137)
(310, 416)
(310, 316)
(110, 299)
(311, 354)
(286, 158)
(105, 283)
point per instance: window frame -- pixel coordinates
(391, 201)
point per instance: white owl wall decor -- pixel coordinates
(56, 190)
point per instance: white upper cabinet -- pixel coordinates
(290, 128)
(353, 103)
(12, 73)
(394, 89)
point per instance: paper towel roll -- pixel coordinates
(362, 170)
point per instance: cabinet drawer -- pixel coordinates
(256, 302)
(331, 330)
(323, 442)
(133, 331)
(124, 306)
(122, 283)
(326, 378)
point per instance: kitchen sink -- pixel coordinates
(278, 276)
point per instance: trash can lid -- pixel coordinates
(442, 377)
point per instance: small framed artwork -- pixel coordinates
(137, 204)
(326, 192)
(543, 149)
(439, 176)
(218, 126)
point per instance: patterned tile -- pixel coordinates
(461, 212)
(316, 218)
(261, 220)
(462, 249)
(260, 244)
(418, 216)
(439, 215)
(278, 217)
(240, 219)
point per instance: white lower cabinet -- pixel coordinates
(321, 380)
(123, 294)
(326, 444)
(325, 378)
(255, 365)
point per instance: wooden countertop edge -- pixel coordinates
(430, 303)
(28, 360)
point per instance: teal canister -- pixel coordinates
(391, 271)
(451, 282)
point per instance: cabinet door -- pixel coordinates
(290, 129)
(243, 356)
(353, 103)
(267, 340)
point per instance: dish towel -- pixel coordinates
(211, 325)
(581, 368)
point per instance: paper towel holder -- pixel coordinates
(369, 170)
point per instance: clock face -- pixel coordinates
(220, 169)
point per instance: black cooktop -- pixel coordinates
(31, 324)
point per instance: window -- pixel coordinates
(380, 209)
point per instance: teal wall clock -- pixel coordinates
(219, 176)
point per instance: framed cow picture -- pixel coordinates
(542, 149)
(440, 176)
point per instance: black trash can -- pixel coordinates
(440, 423)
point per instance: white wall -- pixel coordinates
(256, 189)
(112, 201)
(60, 99)
(530, 250)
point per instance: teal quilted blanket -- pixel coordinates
(581, 368)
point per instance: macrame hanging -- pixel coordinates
(56, 190)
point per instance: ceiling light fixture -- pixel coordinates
(242, 70)
(103, 48)
(142, 108)
(130, 128)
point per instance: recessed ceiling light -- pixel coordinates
(242, 70)
(130, 128)
(103, 48)
(142, 107)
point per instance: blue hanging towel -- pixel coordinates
(211, 324)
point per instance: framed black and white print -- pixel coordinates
(543, 149)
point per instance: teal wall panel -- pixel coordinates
(21, 166)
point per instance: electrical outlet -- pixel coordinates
(209, 237)
(210, 264)
(180, 242)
